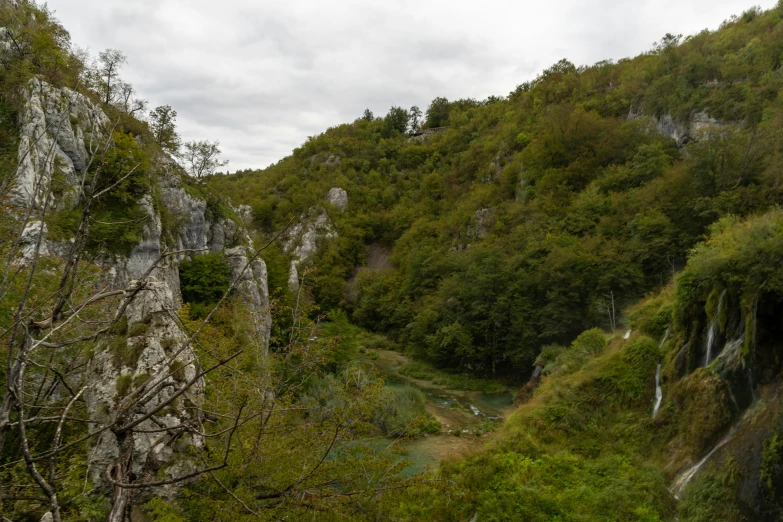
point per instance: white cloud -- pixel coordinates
(261, 76)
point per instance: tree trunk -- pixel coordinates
(122, 471)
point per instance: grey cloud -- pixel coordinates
(262, 75)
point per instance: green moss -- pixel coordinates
(772, 464)
(702, 409)
(168, 220)
(59, 181)
(654, 314)
(707, 499)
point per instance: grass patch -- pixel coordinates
(124, 384)
(124, 353)
(138, 329)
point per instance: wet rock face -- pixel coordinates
(58, 130)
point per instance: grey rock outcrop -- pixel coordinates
(252, 288)
(29, 240)
(148, 350)
(701, 126)
(339, 198)
(314, 227)
(304, 239)
(58, 129)
(479, 223)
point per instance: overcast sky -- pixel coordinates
(261, 76)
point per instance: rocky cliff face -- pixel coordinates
(700, 126)
(314, 227)
(147, 349)
(59, 129)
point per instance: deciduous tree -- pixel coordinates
(202, 158)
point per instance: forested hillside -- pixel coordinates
(334, 337)
(532, 217)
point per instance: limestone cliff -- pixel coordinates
(59, 131)
(147, 349)
(314, 227)
(700, 126)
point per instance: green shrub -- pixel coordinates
(204, 279)
(124, 353)
(591, 341)
(653, 315)
(403, 413)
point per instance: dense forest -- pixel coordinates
(532, 216)
(605, 240)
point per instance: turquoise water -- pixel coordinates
(461, 414)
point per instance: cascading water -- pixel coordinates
(731, 348)
(658, 389)
(627, 335)
(536, 372)
(712, 330)
(688, 474)
(730, 351)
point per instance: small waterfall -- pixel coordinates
(686, 476)
(731, 348)
(627, 335)
(536, 373)
(658, 389)
(713, 329)
(665, 336)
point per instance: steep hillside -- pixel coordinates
(532, 217)
(605, 239)
(594, 442)
(136, 321)
(637, 197)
